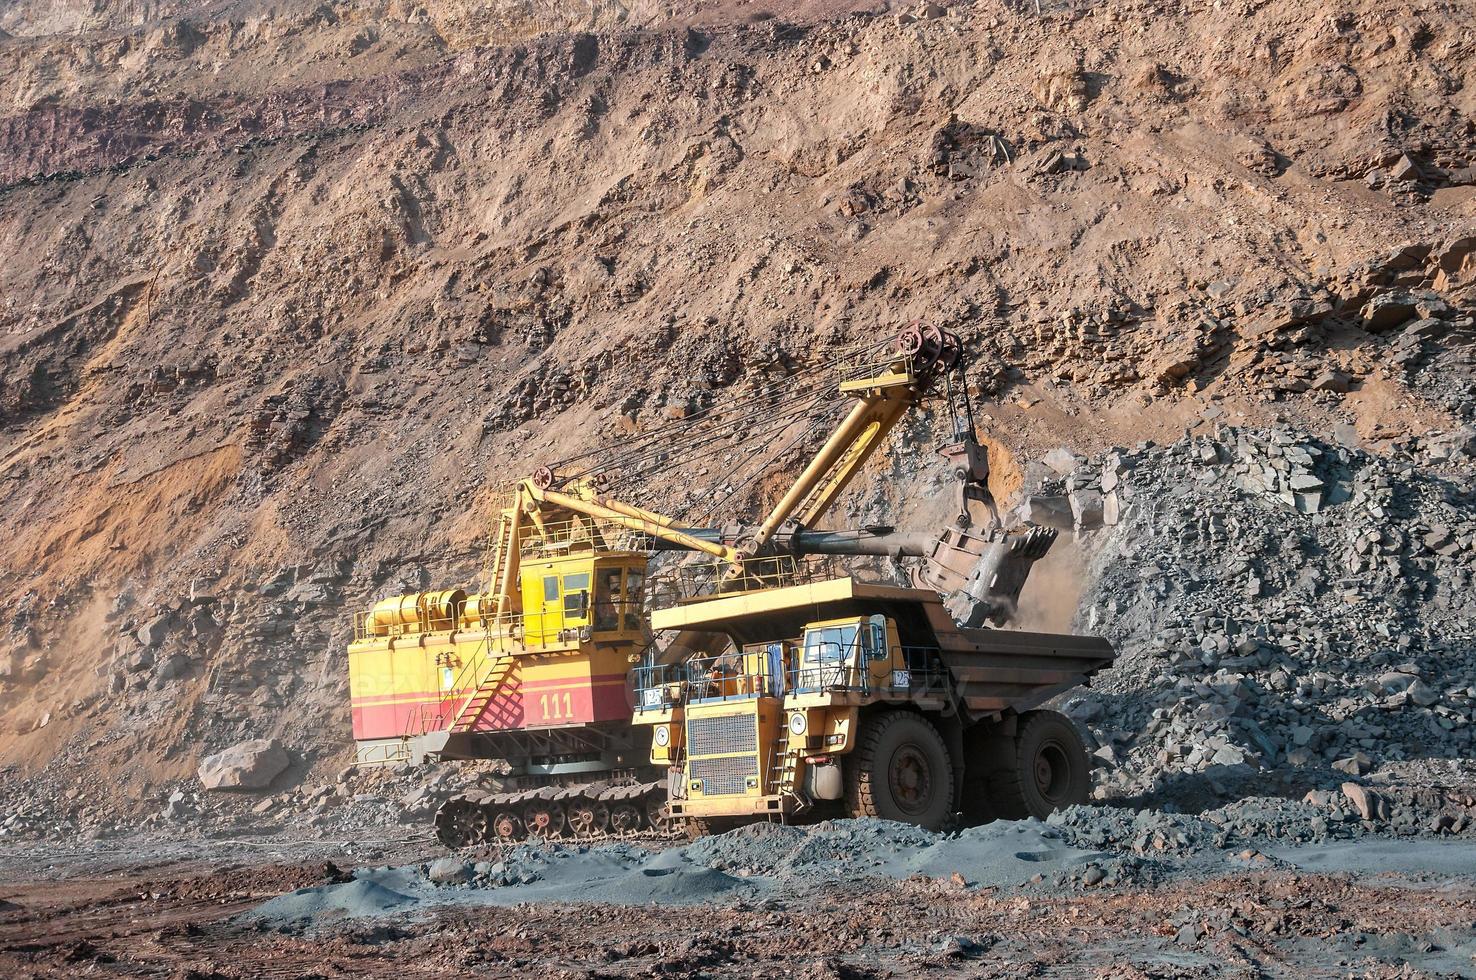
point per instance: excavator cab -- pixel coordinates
(580, 596)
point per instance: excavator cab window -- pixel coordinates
(607, 600)
(576, 596)
(635, 581)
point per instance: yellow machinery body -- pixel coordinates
(550, 639)
(448, 661)
(534, 668)
(761, 731)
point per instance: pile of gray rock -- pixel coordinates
(1278, 602)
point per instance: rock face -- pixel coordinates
(1280, 602)
(260, 286)
(245, 765)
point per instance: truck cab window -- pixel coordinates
(876, 645)
(828, 652)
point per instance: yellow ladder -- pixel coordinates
(786, 783)
(487, 688)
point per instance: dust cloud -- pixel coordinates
(1051, 594)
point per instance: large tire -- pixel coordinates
(900, 770)
(1042, 769)
(982, 747)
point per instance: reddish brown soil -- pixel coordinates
(1252, 925)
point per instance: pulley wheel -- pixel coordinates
(952, 351)
(625, 819)
(588, 817)
(910, 341)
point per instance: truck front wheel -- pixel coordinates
(900, 771)
(1042, 769)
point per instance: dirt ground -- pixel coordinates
(178, 918)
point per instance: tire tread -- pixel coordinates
(860, 791)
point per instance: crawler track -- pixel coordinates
(588, 812)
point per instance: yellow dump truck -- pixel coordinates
(840, 697)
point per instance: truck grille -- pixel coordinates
(723, 777)
(723, 735)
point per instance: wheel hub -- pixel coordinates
(505, 826)
(1052, 772)
(910, 779)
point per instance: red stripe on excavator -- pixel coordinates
(600, 680)
(566, 704)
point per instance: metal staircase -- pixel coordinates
(489, 685)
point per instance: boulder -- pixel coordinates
(1387, 311)
(1228, 755)
(1423, 694)
(246, 765)
(449, 871)
(1047, 511)
(1086, 509)
(1405, 169)
(1335, 381)
(1173, 366)
(153, 632)
(1357, 764)
(1062, 460)
(1366, 803)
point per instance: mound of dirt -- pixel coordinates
(1083, 848)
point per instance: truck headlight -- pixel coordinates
(798, 723)
(662, 735)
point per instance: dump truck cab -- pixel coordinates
(884, 707)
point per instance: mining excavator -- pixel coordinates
(551, 667)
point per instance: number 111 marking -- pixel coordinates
(561, 710)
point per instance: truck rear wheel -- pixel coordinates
(1042, 769)
(900, 770)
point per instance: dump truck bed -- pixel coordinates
(992, 670)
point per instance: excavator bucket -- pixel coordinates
(981, 575)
